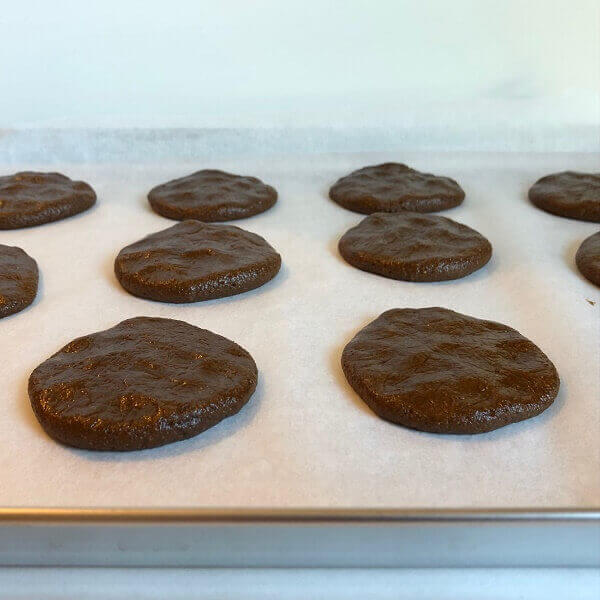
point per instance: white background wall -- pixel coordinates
(476, 66)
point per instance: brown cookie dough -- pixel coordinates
(18, 280)
(193, 261)
(212, 195)
(392, 188)
(143, 383)
(436, 370)
(414, 247)
(569, 194)
(29, 198)
(588, 258)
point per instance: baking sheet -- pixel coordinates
(305, 439)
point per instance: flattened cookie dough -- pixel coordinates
(30, 198)
(414, 247)
(588, 258)
(394, 187)
(437, 370)
(569, 194)
(212, 195)
(18, 280)
(193, 261)
(143, 383)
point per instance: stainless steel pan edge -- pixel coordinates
(242, 538)
(289, 515)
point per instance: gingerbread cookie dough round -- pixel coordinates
(193, 261)
(569, 194)
(415, 247)
(437, 370)
(30, 198)
(212, 195)
(145, 382)
(394, 187)
(18, 280)
(588, 258)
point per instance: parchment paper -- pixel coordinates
(305, 439)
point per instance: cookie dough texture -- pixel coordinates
(212, 195)
(588, 258)
(193, 261)
(143, 383)
(437, 370)
(394, 187)
(569, 194)
(415, 247)
(18, 280)
(30, 198)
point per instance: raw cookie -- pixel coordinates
(193, 261)
(588, 258)
(212, 195)
(569, 194)
(414, 247)
(393, 187)
(437, 370)
(143, 383)
(30, 198)
(18, 280)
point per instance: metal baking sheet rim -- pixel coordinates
(302, 538)
(233, 515)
